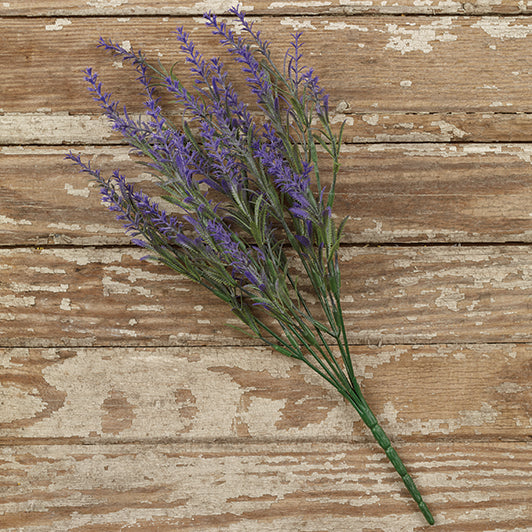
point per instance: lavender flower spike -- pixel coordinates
(242, 210)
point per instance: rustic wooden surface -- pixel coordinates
(127, 403)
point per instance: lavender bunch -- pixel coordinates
(243, 188)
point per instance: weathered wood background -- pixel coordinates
(126, 401)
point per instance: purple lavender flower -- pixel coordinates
(231, 253)
(258, 78)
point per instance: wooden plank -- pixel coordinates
(371, 64)
(47, 128)
(472, 487)
(204, 394)
(261, 7)
(85, 297)
(391, 193)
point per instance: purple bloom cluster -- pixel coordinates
(231, 251)
(249, 165)
(258, 78)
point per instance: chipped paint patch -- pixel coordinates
(510, 387)
(84, 256)
(409, 39)
(18, 403)
(58, 25)
(26, 287)
(339, 118)
(339, 26)
(503, 28)
(372, 120)
(478, 418)
(113, 287)
(219, 6)
(145, 308)
(65, 304)
(298, 3)
(11, 221)
(450, 131)
(19, 302)
(64, 227)
(47, 270)
(486, 415)
(101, 4)
(297, 24)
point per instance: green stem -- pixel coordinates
(370, 420)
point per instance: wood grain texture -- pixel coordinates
(126, 402)
(370, 64)
(264, 487)
(253, 394)
(47, 128)
(86, 296)
(262, 7)
(391, 193)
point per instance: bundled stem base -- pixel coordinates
(382, 439)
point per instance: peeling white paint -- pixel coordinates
(99, 228)
(145, 308)
(503, 28)
(46, 270)
(448, 130)
(122, 332)
(478, 418)
(101, 4)
(26, 287)
(65, 304)
(64, 227)
(113, 287)
(510, 387)
(135, 274)
(84, 256)
(18, 404)
(338, 26)
(297, 24)
(219, 6)
(82, 192)
(58, 25)
(297, 3)
(419, 39)
(338, 118)
(485, 415)
(449, 298)
(19, 302)
(11, 221)
(372, 120)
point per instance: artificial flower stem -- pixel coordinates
(382, 439)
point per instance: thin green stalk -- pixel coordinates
(382, 439)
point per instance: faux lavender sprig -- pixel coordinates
(265, 208)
